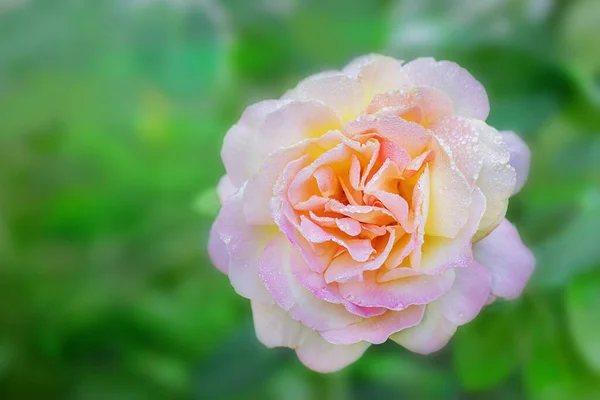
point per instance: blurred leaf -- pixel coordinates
(241, 359)
(579, 33)
(485, 349)
(582, 304)
(552, 372)
(574, 249)
(393, 369)
(429, 27)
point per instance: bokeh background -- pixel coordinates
(112, 115)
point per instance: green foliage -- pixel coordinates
(112, 114)
(485, 351)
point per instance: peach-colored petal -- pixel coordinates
(510, 262)
(367, 214)
(358, 249)
(337, 90)
(327, 182)
(349, 226)
(300, 303)
(303, 184)
(520, 157)
(262, 186)
(423, 105)
(376, 330)
(461, 304)
(245, 244)
(397, 294)
(345, 267)
(396, 205)
(467, 94)
(409, 135)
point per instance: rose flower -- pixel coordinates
(368, 204)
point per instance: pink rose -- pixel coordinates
(369, 204)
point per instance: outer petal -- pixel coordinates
(339, 91)
(217, 250)
(321, 356)
(377, 74)
(241, 153)
(457, 307)
(510, 262)
(271, 125)
(245, 244)
(274, 328)
(496, 180)
(225, 188)
(468, 95)
(520, 157)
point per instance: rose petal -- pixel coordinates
(377, 74)
(467, 94)
(225, 188)
(245, 244)
(411, 136)
(460, 305)
(274, 328)
(509, 261)
(275, 271)
(376, 330)
(345, 267)
(397, 294)
(321, 356)
(520, 157)
(335, 89)
(450, 197)
(497, 179)
(241, 151)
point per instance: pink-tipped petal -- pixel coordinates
(510, 262)
(245, 244)
(377, 329)
(409, 135)
(520, 157)
(468, 95)
(397, 294)
(462, 303)
(301, 304)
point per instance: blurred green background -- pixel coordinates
(112, 115)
